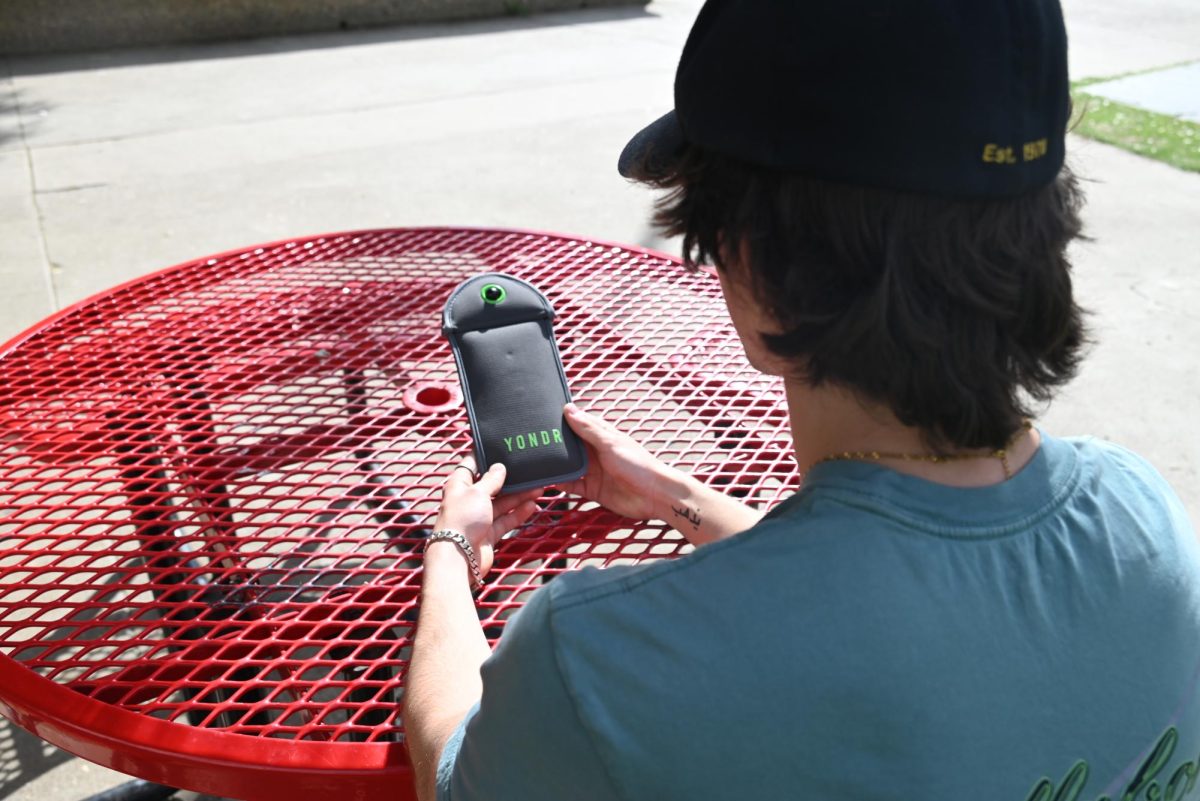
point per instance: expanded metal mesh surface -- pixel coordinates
(214, 482)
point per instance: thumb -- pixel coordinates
(589, 427)
(493, 479)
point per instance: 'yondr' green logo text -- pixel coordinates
(534, 439)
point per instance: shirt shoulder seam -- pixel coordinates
(874, 504)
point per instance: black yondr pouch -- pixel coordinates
(500, 329)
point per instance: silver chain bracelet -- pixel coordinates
(464, 545)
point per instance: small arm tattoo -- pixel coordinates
(690, 515)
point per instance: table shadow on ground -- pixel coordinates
(24, 758)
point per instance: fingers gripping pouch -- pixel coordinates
(500, 329)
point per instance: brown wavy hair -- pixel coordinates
(954, 313)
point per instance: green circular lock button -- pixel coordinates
(493, 294)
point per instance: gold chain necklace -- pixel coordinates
(875, 456)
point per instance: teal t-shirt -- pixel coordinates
(877, 636)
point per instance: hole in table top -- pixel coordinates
(432, 396)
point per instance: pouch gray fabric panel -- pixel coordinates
(500, 329)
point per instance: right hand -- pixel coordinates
(622, 476)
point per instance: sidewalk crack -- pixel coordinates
(39, 216)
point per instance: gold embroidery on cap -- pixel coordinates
(1035, 149)
(994, 154)
(1030, 151)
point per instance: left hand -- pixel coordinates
(471, 508)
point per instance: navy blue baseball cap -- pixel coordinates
(964, 98)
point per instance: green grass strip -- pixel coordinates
(1157, 136)
(1147, 133)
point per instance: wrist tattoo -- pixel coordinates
(690, 515)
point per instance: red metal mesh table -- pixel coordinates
(215, 480)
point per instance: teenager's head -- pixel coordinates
(952, 313)
(885, 182)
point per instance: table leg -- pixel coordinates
(136, 790)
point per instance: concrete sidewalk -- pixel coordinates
(116, 164)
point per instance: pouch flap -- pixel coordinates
(493, 300)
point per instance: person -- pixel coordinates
(955, 603)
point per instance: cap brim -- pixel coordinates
(654, 151)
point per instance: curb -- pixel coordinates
(33, 26)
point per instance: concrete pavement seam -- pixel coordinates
(332, 112)
(47, 264)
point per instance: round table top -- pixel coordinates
(215, 480)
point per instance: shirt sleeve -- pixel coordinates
(524, 740)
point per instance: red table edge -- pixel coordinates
(99, 733)
(46, 322)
